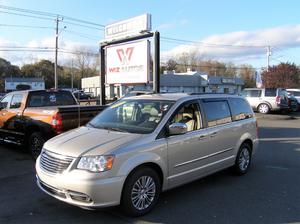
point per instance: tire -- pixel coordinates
(263, 108)
(243, 159)
(133, 204)
(295, 108)
(35, 144)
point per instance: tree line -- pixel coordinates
(69, 74)
(285, 75)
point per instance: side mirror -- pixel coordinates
(177, 128)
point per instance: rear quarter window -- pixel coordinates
(240, 109)
(217, 112)
(270, 92)
(251, 93)
(295, 93)
(44, 99)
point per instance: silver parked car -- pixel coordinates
(143, 145)
(267, 99)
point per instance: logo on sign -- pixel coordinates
(125, 56)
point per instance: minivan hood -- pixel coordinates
(88, 141)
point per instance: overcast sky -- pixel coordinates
(237, 31)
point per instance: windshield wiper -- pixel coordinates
(90, 125)
(114, 129)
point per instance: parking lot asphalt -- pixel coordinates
(269, 193)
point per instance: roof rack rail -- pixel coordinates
(212, 94)
(203, 93)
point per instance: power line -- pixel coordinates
(20, 14)
(182, 41)
(45, 49)
(25, 48)
(28, 11)
(82, 35)
(26, 26)
(83, 21)
(80, 22)
(211, 66)
(28, 50)
(76, 24)
(79, 52)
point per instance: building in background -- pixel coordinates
(16, 83)
(189, 82)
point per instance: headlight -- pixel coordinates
(96, 163)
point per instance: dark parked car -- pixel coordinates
(293, 102)
(81, 95)
(2, 95)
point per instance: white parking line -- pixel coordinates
(280, 139)
(277, 167)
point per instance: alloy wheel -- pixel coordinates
(143, 192)
(244, 159)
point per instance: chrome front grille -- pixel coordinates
(54, 163)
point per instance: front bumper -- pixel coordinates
(81, 188)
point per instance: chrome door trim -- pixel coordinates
(201, 167)
(201, 158)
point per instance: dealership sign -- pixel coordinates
(128, 27)
(128, 63)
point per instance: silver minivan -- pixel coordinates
(143, 145)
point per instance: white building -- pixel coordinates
(190, 82)
(12, 83)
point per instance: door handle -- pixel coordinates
(202, 137)
(213, 134)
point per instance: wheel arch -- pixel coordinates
(249, 142)
(31, 129)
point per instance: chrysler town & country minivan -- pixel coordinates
(143, 145)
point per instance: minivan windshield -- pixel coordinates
(135, 116)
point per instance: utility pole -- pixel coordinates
(269, 53)
(56, 51)
(72, 76)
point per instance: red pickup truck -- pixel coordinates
(33, 116)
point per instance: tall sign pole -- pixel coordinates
(102, 74)
(156, 63)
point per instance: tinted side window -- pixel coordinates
(43, 99)
(245, 93)
(255, 93)
(217, 112)
(270, 92)
(6, 101)
(240, 109)
(188, 114)
(295, 93)
(16, 101)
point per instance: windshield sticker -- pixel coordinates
(118, 104)
(52, 98)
